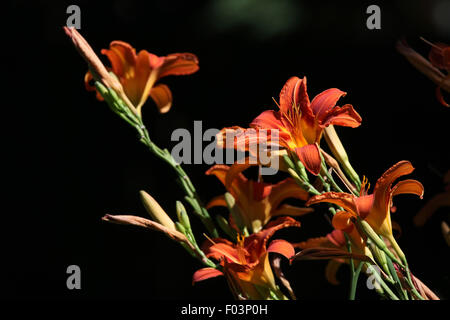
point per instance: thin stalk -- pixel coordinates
(354, 281)
(382, 283)
(184, 179)
(329, 176)
(398, 285)
(129, 115)
(353, 278)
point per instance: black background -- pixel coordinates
(69, 159)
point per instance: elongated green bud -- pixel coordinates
(339, 152)
(225, 226)
(295, 175)
(372, 235)
(235, 212)
(101, 89)
(180, 227)
(302, 170)
(183, 217)
(155, 210)
(380, 257)
(303, 184)
(288, 161)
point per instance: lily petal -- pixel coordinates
(342, 116)
(235, 171)
(87, 84)
(245, 139)
(179, 64)
(122, 57)
(218, 201)
(364, 205)
(382, 190)
(342, 199)
(256, 243)
(294, 95)
(309, 155)
(261, 190)
(342, 220)
(337, 238)
(205, 273)
(268, 119)
(408, 186)
(284, 189)
(326, 100)
(162, 96)
(223, 250)
(282, 247)
(238, 184)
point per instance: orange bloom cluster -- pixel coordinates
(363, 229)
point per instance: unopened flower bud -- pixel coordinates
(155, 210)
(183, 217)
(235, 212)
(339, 152)
(98, 70)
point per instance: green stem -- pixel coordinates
(329, 176)
(302, 183)
(402, 256)
(398, 284)
(184, 179)
(119, 107)
(382, 283)
(411, 283)
(354, 281)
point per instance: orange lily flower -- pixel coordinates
(257, 201)
(374, 208)
(246, 264)
(301, 123)
(439, 59)
(138, 73)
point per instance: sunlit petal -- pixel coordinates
(343, 116)
(345, 200)
(205, 273)
(162, 96)
(309, 155)
(325, 100)
(282, 247)
(179, 64)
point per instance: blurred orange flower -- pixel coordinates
(439, 59)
